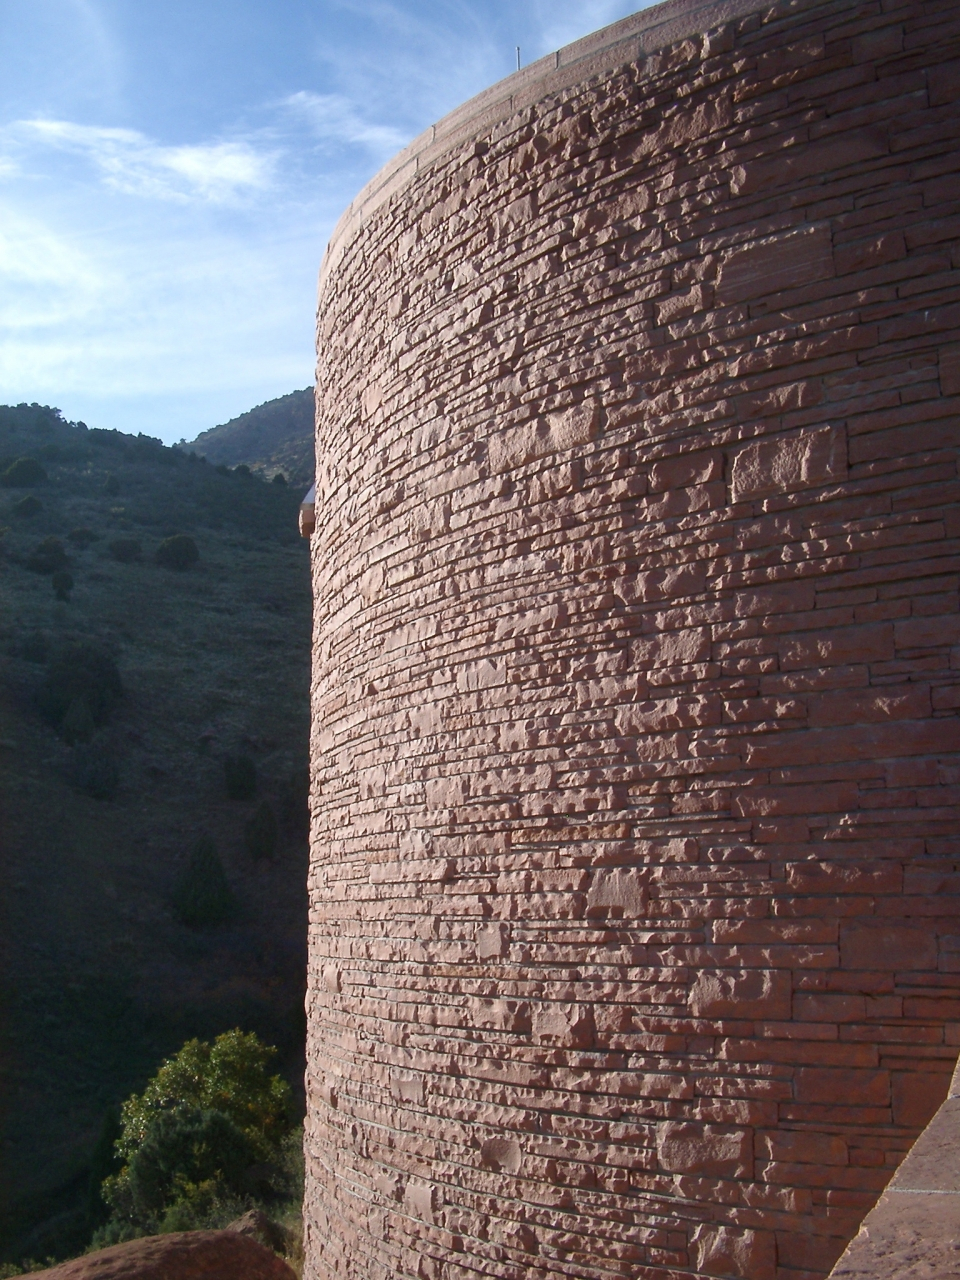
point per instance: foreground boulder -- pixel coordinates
(183, 1255)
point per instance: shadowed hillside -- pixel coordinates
(154, 674)
(275, 436)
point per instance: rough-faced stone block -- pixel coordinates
(741, 993)
(502, 1154)
(801, 1147)
(878, 945)
(704, 1149)
(618, 893)
(842, 1087)
(773, 263)
(810, 458)
(687, 469)
(420, 1200)
(729, 1251)
(567, 1026)
(493, 941)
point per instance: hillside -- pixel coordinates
(275, 436)
(120, 704)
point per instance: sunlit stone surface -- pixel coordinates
(634, 934)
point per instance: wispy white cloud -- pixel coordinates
(334, 118)
(218, 172)
(151, 321)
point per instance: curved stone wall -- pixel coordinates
(634, 937)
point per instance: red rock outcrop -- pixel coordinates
(634, 887)
(182, 1255)
(913, 1232)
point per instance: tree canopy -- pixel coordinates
(206, 1134)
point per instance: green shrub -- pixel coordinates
(47, 557)
(80, 671)
(241, 469)
(280, 479)
(27, 507)
(23, 474)
(231, 1076)
(240, 775)
(260, 833)
(207, 1135)
(82, 537)
(202, 896)
(126, 550)
(95, 773)
(62, 584)
(178, 552)
(111, 486)
(183, 1153)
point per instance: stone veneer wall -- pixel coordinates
(634, 938)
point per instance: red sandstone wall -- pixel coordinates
(634, 936)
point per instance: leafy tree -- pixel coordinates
(23, 474)
(80, 671)
(203, 896)
(178, 552)
(209, 1129)
(187, 1154)
(231, 1075)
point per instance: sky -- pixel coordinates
(171, 170)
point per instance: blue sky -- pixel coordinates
(170, 172)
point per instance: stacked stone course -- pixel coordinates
(635, 860)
